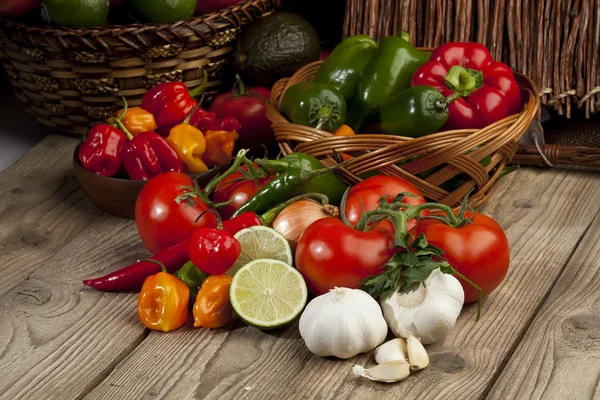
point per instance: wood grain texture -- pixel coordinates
(531, 205)
(57, 338)
(559, 357)
(41, 208)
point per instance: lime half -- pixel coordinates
(261, 242)
(267, 293)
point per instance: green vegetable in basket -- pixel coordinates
(319, 105)
(344, 66)
(388, 73)
(75, 13)
(161, 11)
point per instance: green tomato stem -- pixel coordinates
(474, 286)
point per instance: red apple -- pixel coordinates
(18, 8)
(208, 6)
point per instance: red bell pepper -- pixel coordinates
(170, 103)
(148, 154)
(100, 153)
(481, 90)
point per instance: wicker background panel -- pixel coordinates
(71, 79)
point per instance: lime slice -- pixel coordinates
(261, 242)
(267, 293)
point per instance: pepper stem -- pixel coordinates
(270, 215)
(404, 36)
(186, 121)
(200, 89)
(124, 129)
(163, 266)
(474, 286)
(441, 105)
(462, 80)
(239, 88)
(324, 114)
(211, 210)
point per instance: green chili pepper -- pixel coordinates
(192, 277)
(344, 66)
(414, 112)
(319, 105)
(298, 173)
(389, 72)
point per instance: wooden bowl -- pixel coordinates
(117, 196)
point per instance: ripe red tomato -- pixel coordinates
(478, 250)
(240, 191)
(248, 108)
(330, 253)
(161, 222)
(368, 192)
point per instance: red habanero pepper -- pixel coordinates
(133, 276)
(148, 154)
(208, 121)
(170, 103)
(100, 153)
(214, 250)
(488, 90)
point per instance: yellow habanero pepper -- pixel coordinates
(190, 144)
(212, 308)
(219, 147)
(163, 302)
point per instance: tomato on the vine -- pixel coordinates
(238, 188)
(368, 193)
(331, 253)
(479, 250)
(160, 220)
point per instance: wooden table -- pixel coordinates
(539, 337)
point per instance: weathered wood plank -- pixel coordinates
(37, 214)
(532, 206)
(58, 339)
(559, 357)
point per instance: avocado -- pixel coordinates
(275, 47)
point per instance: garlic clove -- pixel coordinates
(417, 355)
(390, 372)
(393, 350)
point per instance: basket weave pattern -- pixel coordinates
(70, 79)
(456, 152)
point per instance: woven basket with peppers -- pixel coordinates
(447, 120)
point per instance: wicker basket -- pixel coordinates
(382, 152)
(556, 43)
(70, 79)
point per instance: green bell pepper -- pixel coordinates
(414, 112)
(344, 66)
(315, 104)
(389, 72)
(192, 277)
(297, 174)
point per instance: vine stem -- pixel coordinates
(476, 287)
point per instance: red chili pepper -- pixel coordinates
(487, 90)
(242, 221)
(100, 153)
(133, 276)
(148, 154)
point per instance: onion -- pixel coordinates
(293, 220)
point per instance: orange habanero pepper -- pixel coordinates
(163, 302)
(219, 147)
(344, 130)
(138, 120)
(213, 306)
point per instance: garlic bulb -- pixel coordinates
(342, 323)
(428, 311)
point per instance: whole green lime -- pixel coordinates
(160, 11)
(75, 13)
